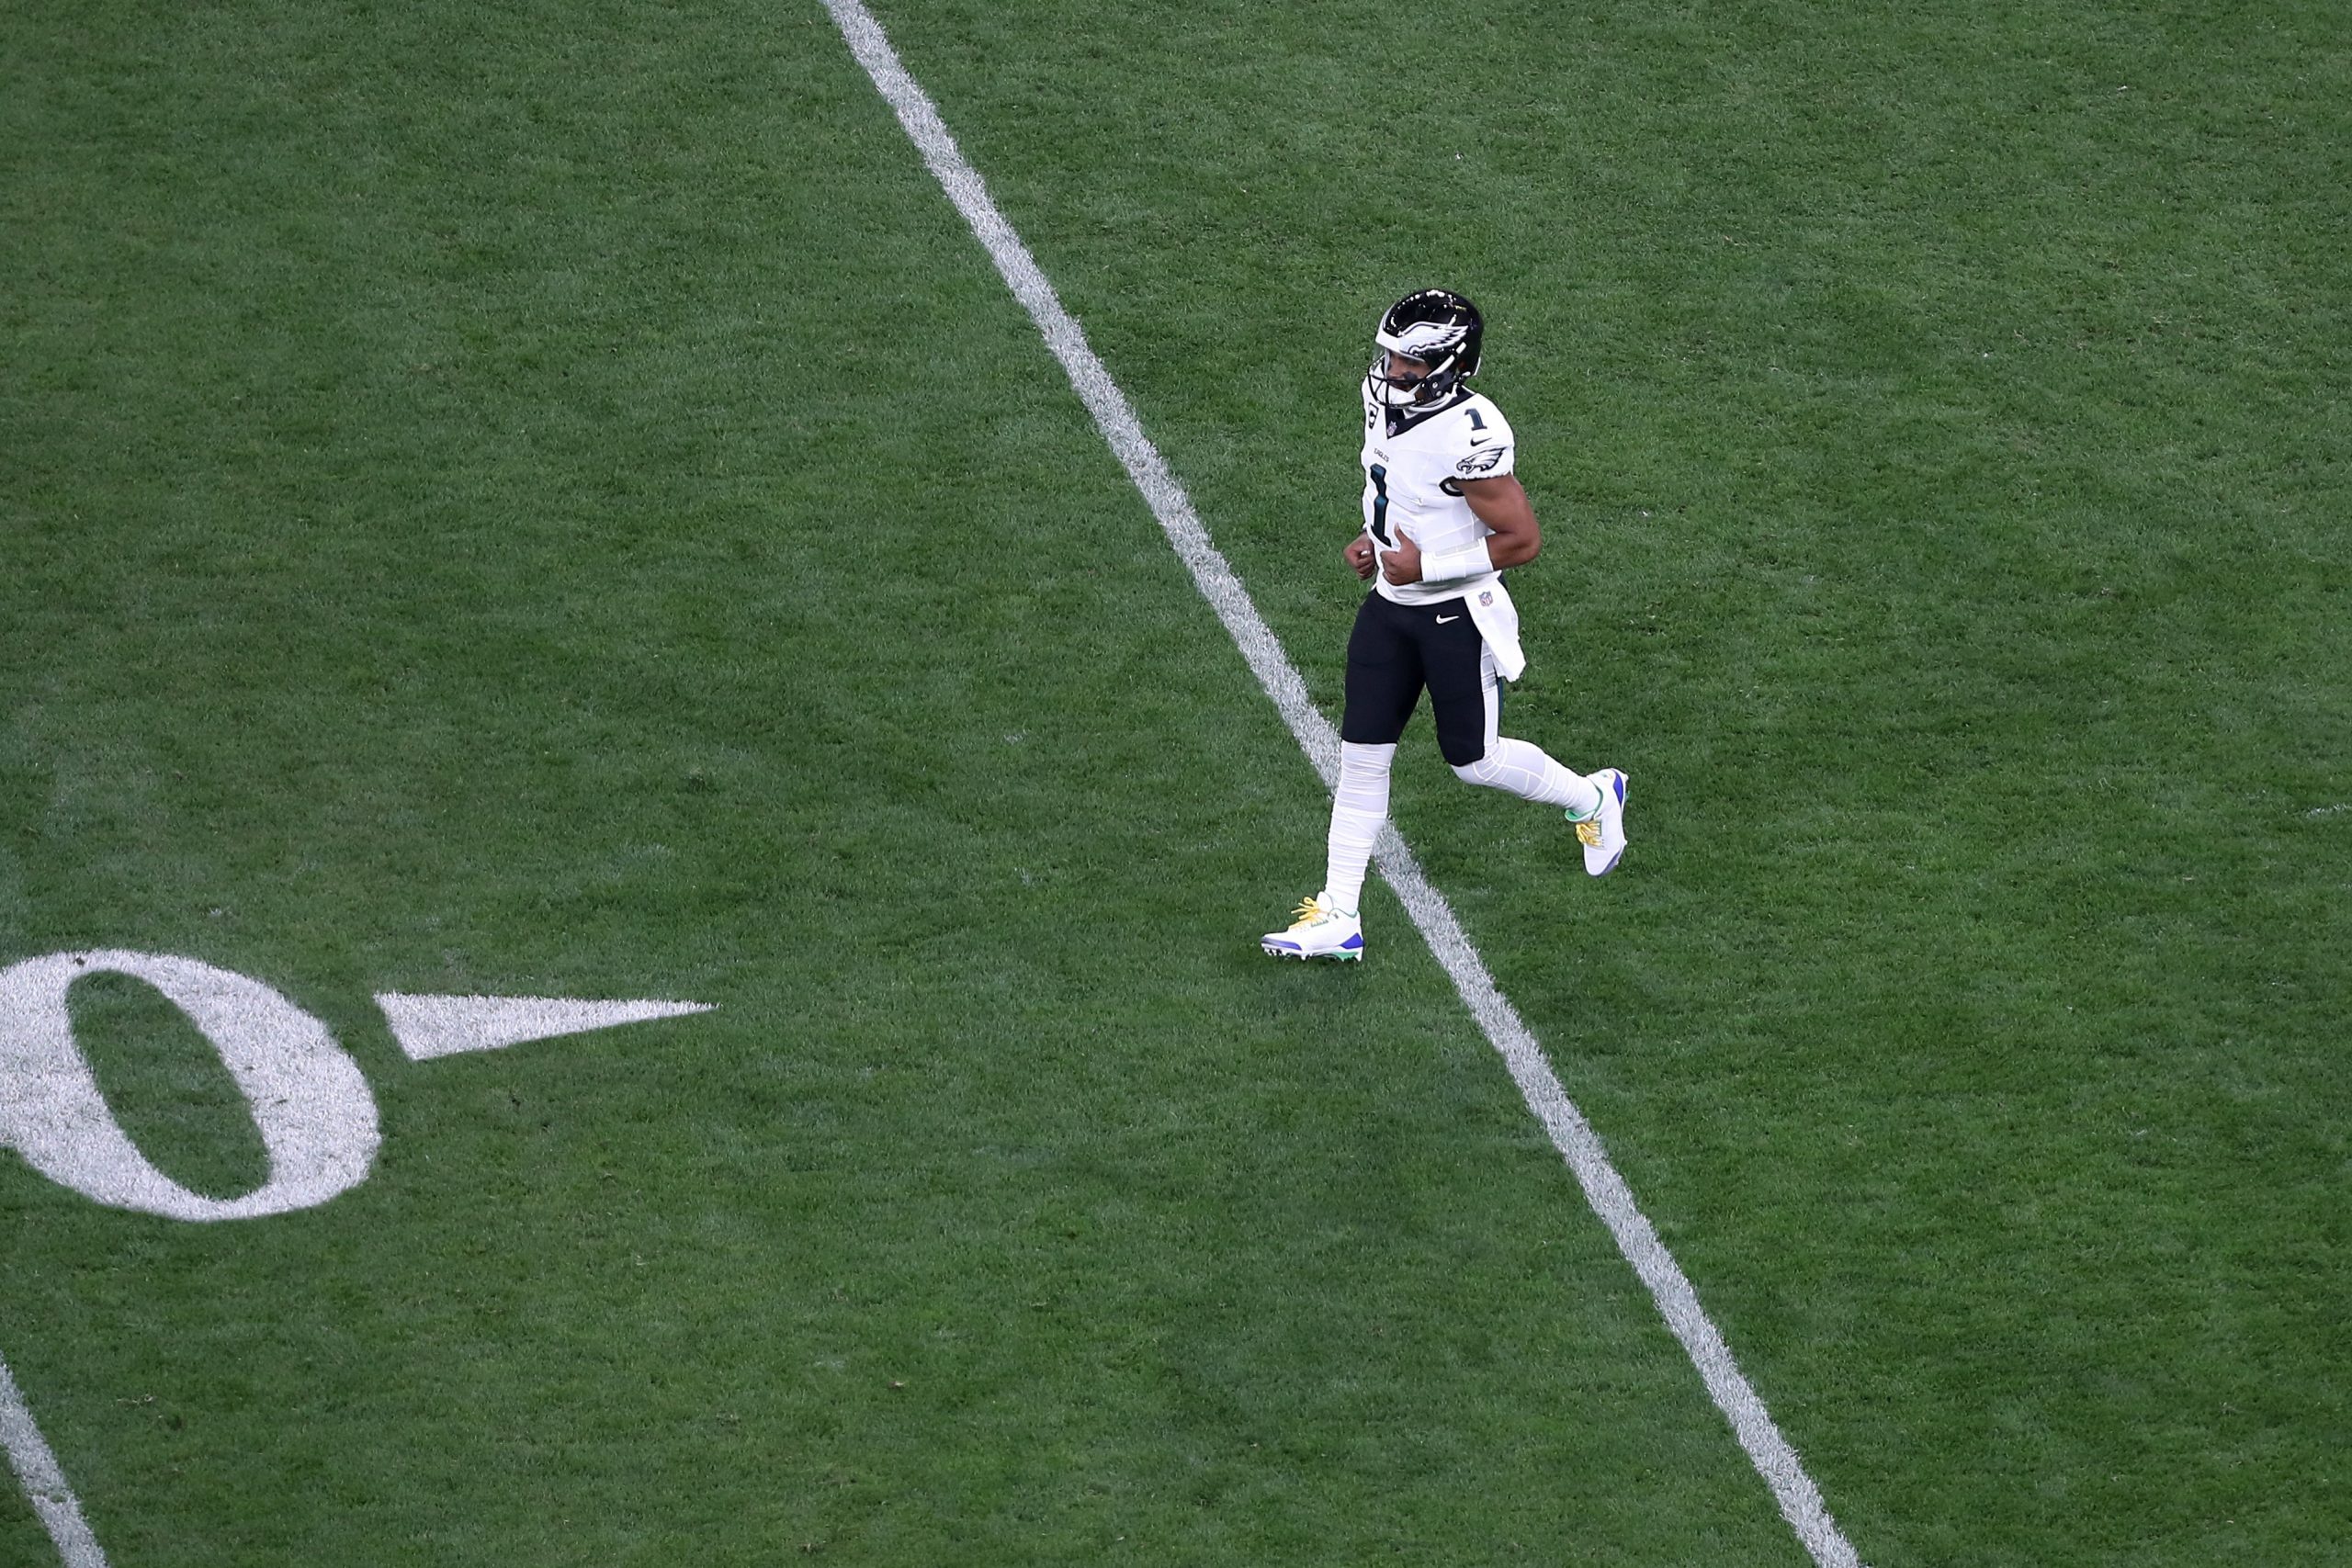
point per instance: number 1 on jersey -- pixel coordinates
(1380, 506)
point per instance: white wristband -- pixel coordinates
(1470, 561)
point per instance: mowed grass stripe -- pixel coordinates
(1799, 1499)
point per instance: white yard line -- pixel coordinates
(1775, 1460)
(44, 1483)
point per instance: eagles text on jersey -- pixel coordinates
(1414, 463)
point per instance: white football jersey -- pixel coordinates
(1412, 485)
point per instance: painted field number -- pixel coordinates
(313, 1108)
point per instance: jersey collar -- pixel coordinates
(1400, 420)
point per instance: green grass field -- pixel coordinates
(552, 501)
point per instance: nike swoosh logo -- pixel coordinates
(1480, 440)
(1442, 619)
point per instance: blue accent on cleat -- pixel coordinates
(1603, 834)
(1319, 929)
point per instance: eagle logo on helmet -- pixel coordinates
(1435, 330)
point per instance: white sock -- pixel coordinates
(1528, 772)
(1358, 808)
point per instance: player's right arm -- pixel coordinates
(1361, 556)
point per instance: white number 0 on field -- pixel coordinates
(315, 1114)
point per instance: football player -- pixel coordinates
(1443, 518)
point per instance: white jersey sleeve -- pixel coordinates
(1483, 446)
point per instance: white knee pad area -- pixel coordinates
(1499, 769)
(1517, 768)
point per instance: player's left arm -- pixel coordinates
(1502, 504)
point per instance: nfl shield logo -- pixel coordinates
(1486, 599)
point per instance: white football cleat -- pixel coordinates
(1321, 930)
(1603, 833)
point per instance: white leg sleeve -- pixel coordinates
(1358, 808)
(1525, 771)
(1528, 772)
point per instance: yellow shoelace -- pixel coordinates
(1306, 914)
(1589, 831)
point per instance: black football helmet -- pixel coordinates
(1439, 329)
